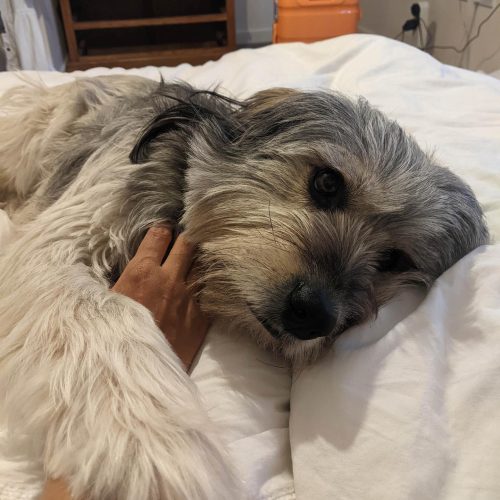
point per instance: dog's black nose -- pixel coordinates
(309, 312)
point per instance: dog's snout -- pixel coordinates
(309, 312)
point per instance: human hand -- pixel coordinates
(55, 489)
(163, 289)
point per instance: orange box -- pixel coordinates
(312, 20)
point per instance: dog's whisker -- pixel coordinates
(271, 221)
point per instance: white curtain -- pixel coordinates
(8, 39)
(33, 34)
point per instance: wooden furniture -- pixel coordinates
(135, 33)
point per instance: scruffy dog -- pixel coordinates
(310, 210)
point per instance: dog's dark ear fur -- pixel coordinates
(461, 215)
(173, 118)
(189, 111)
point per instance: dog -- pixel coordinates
(310, 211)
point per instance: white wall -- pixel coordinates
(254, 21)
(450, 22)
(484, 53)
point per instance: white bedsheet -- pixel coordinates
(406, 408)
(415, 414)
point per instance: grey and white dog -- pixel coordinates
(310, 211)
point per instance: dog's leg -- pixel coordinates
(87, 376)
(37, 123)
(32, 116)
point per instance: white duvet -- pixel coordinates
(409, 406)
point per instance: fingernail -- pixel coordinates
(161, 229)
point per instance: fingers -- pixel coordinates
(180, 258)
(155, 244)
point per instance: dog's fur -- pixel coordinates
(88, 386)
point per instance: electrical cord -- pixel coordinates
(468, 43)
(399, 35)
(468, 33)
(420, 35)
(427, 35)
(486, 59)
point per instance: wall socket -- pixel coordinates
(425, 13)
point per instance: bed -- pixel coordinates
(406, 407)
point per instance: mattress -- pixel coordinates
(405, 407)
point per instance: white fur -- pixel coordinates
(90, 391)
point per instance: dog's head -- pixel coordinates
(312, 210)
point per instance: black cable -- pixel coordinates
(467, 44)
(398, 36)
(413, 24)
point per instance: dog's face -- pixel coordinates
(316, 211)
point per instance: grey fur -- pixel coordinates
(235, 175)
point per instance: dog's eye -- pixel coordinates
(327, 188)
(395, 261)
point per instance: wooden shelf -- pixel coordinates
(143, 41)
(136, 59)
(149, 21)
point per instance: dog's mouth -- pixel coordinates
(280, 334)
(273, 331)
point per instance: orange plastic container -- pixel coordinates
(312, 20)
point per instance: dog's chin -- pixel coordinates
(301, 353)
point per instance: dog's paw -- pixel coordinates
(180, 465)
(109, 403)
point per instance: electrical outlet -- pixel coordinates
(425, 14)
(487, 3)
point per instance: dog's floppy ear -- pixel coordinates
(462, 215)
(180, 115)
(195, 108)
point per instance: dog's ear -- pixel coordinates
(197, 108)
(181, 115)
(453, 224)
(463, 216)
